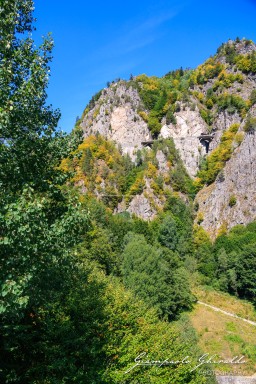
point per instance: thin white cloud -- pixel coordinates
(122, 53)
(143, 42)
(138, 36)
(154, 22)
(133, 36)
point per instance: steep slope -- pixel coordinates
(208, 113)
(231, 199)
(114, 116)
(120, 114)
(99, 169)
(224, 335)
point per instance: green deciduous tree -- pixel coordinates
(154, 274)
(169, 233)
(133, 329)
(246, 272)
(26, 122)
(39, 222)
(61, 320)
(229, 263)
(176, 234)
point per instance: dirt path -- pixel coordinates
(227, 313)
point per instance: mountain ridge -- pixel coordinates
(218, 99)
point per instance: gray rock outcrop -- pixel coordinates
(185, 135)
(231, 200)
(115, 117)
(120, 115)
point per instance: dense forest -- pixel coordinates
(85, 291)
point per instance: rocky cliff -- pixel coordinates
(183, 105)
(231, 199)
(115, 116)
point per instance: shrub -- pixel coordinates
(239, 137)
(209, 103)
(250, 125)
(143, 115)
(154, 125)
(200, 218)
(206, 116)
(177, 107)
(246, 63)
(93, 100)
(253, 97)
(230, 53)
(232, 103)
(232, 201)
(170, 118)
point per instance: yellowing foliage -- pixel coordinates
(98, 179)
(143, 115)
(200, 236)
(200, 96)
(200, 218)
(244, 63)
(151, 171)
(223, 229)
(175, 83)
(208, 70)
(227, 79)
(96, 112)
(149, 83)
(64, 165)
(239, 137)
(89, 142)
(136, 188)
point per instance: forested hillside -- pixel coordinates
(101, 236)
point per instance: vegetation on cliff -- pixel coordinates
(98, 167)
(63, 318)
(215, 161)
(85, 291)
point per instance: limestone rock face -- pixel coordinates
(231, 200)
(141, 206)
(128, 129)
(118, 113)
(162, 163)
(115, 117)
(222, 122)
(185, 135)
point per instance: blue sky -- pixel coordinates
(99, 41)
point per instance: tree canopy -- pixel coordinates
(64, 317)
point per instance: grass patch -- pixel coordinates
(226, 302)
(227, 337)
(231, 327)
(233, 339)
